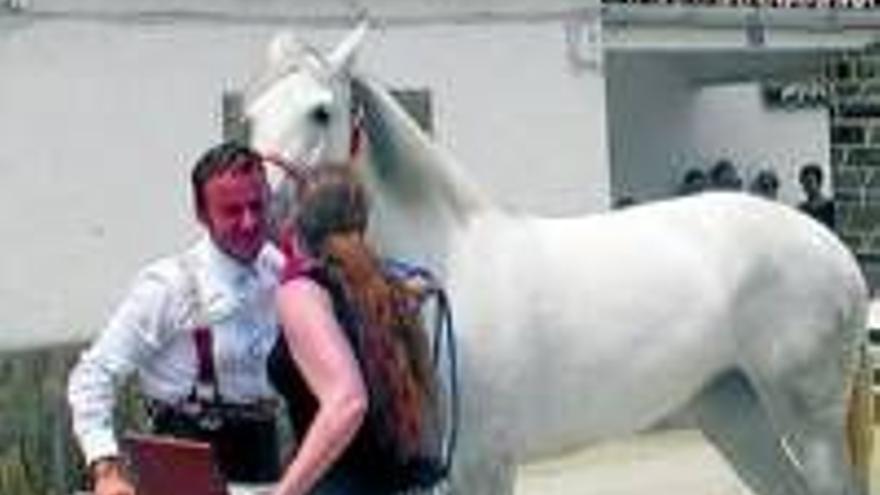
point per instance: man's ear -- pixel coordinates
(202, 215)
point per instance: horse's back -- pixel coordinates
(776, 275)
(746, 241)
(773, 257)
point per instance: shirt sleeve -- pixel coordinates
(134, 332)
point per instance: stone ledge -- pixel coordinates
(867, 156)
(849, 134)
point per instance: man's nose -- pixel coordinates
(251, 218)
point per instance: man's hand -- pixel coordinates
(109, 478)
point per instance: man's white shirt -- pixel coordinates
(150, 333)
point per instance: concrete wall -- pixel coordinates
(649, 113)
(320, 9)
(102, 119)
(655, 138)
(529, 126)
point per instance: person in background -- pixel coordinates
(816, 204)
(196, 328)
(723, 176)
(765, 184)
(623, 202)
(693, 181)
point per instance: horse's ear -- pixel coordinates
(285, 48)
(343, 55)
(281, 49)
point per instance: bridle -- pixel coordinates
(295, 170)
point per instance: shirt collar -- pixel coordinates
(227, 269)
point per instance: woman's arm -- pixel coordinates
(325, 359)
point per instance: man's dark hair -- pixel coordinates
(765, 183)
(811, 169)
(693, 175)
(693, 181)
(724, 176)
(222, 158)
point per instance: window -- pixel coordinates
(417, 103)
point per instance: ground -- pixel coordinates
(678, 461)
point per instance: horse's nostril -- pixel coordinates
(321, 115)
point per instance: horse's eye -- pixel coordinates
(320, 115)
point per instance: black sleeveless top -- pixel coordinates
(358, 461)
(363, 461)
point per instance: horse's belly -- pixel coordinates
(568, 400)
(548, 380)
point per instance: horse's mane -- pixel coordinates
(401, 152)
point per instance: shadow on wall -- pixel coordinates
(12, 18)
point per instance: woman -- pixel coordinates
(337, 306)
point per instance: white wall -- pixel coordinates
(661, 124)
(649, 112)
(510, 107)
(102, 122)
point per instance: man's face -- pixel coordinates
(234, 212)
(811, 184)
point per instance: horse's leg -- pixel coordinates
(859, 421)
(482, 474)
(731, 416)
(810, 408)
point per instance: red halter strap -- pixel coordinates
(206, 374)
(356, 137)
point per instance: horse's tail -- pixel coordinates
(860, 419)
(860, 410)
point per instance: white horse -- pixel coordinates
(741, 314)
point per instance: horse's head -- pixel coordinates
(301, 112)
(299, 109)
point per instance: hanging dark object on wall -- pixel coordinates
(794, 95)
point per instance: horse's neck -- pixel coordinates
(409, 162)
(422, 196)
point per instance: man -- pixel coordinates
(765, 184)
(694, 181)
(816, 204)
(723, 176)
(195, 328)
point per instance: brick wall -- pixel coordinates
(855, 154)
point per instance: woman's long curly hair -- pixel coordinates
(331, 221)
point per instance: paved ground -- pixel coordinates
(668, 463)
(674, 462)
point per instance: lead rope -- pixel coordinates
(443, 332)
(449, 333)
